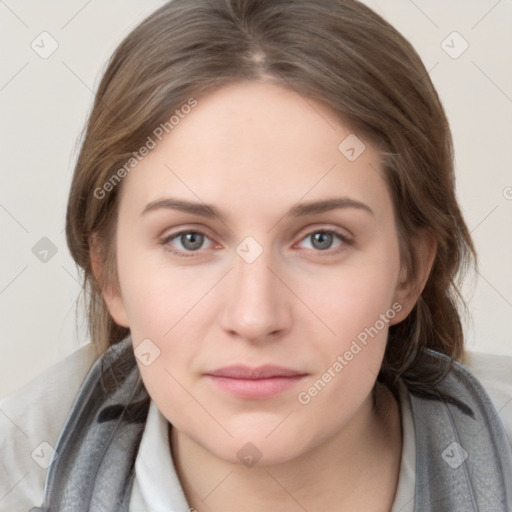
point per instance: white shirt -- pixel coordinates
(32, 417)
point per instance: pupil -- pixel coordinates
(322, 240)
(192, 241)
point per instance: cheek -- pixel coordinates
(169, 311)
(169, 387)
(358, 307)
(159, 296)
(352, 296)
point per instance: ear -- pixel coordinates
(409, 286)
(110, 290)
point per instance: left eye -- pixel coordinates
(323, 240)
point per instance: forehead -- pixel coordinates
(259, 146)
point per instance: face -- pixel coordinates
(264, 316)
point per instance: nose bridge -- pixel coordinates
(255, 307)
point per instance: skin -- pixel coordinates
(254, 150)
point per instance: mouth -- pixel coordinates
(261, 382)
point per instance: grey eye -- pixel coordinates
(192, 240)
(321, 240)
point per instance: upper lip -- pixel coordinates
(259, 372)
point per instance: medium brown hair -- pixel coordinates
(337, 52)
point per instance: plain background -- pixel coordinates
(44, 104)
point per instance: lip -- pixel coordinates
(255, 382)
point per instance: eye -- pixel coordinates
(186, 242)
(323, 239)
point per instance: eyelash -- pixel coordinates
(346, 241)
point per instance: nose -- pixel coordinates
(257, 305)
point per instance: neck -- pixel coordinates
(344, 473)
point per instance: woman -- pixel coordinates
(264, 211)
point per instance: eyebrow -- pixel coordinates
(298, 210)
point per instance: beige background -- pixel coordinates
(44, 104)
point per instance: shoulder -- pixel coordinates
(31, 419)
(494, 372)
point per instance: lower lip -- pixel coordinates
(256, 388)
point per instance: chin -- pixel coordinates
(250, 447)
(251, 454)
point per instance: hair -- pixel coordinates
(336, 52)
